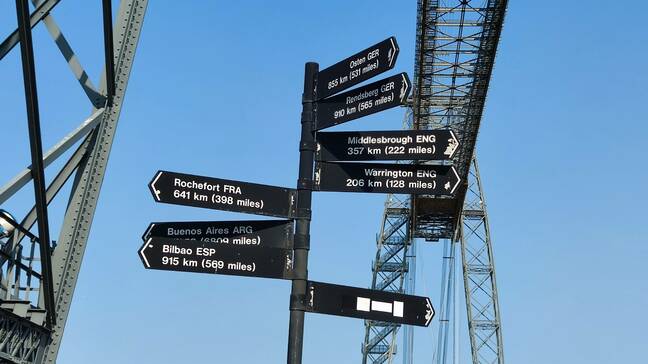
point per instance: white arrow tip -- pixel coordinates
(429, 311)
(404, 87)
(143, 249)
(156, 192)
(458, 179)
(391, 55)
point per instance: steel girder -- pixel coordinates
(390, 270)
(480, 285)
(73, 238)
(455, 51)
(25, 336)
(388, 274)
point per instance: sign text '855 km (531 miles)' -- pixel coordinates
(357, 68)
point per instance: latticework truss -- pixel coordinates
(455, 51)
(37, 278)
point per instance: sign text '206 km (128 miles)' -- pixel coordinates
(222, 194)
(386, 178)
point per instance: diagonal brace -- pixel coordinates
(36, 148)
(22, 178)
(95, 97)
(41, 12)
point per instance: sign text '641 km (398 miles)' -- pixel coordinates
(222, 194)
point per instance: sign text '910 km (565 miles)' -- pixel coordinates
(362, 101)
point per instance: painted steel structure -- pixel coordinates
(455, 50)
(456, 46)
(37, 278)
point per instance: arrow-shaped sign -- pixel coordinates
(242, 233)
(222, 194)
(386, 145)
(359, 67)
(206, 257)
(362, 101)
(368, 304)
(386, 178)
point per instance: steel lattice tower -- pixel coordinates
(37, 279)
(456, 44)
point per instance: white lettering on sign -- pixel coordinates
(217, 231)
(181, 232)
(357, 62)
(426, 138)
(388, 173)
(361, 96)
(177, 182)
(380, 140)
(232, 189)
(173, 249)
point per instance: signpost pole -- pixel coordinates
(302, 226)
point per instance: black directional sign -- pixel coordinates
(359, 67)
(362, 101)
(251, 233)
(368, 304)
(222, 194)
(386, 178)
(205, 257)
(386, 145)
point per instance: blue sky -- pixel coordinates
(216, 91)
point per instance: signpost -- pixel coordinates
(206, 257)
(254, 233)
(386, 178)
(280, 248)
(368, 304)
(222, 194)
(359, 67)
(362, 101)
(386, 145)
